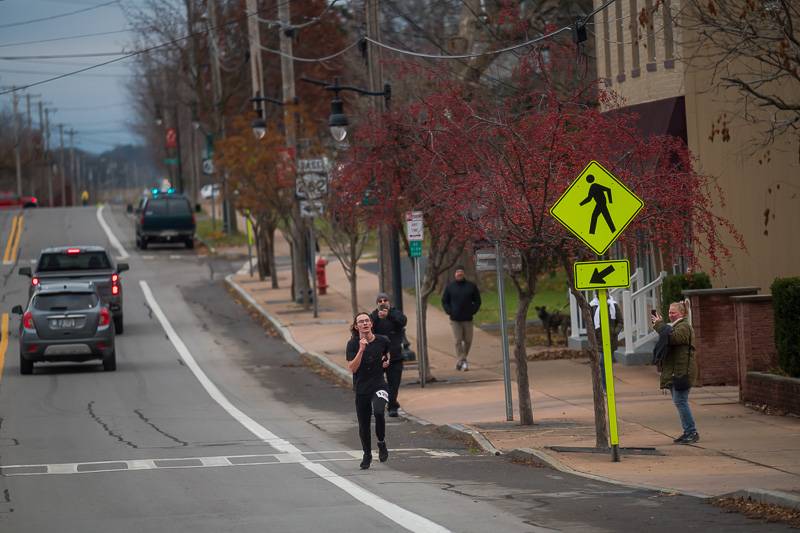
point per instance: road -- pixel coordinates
(212, 424)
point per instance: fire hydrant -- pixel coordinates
(322, 279)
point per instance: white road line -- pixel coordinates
(219, 461)
(395, 513)
(122, 254)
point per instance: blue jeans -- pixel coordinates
(681, 400)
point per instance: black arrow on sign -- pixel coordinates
(600, 276)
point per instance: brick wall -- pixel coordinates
(714, 322)
(776, 391)
(755, 336)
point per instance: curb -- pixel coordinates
(472, 436)
(338, 371)
(773, 497)
(545, 459)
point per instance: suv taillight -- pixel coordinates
(34, 281)
(105, 318)
(27, 321)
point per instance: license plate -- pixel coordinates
(63, 323)
(169, 233)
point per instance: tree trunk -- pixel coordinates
(600, 419)
(353, 279)
(520, 357)
(424, 341)
(269, 233)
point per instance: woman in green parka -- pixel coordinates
(678, 363)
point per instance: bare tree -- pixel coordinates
(753, 48)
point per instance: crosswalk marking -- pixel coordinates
(220, 461)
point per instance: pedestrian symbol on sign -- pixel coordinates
(598, 193)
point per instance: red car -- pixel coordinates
(9, 199)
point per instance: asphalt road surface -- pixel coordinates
(211, 424)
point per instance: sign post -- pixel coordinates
(488, 260)
(597, 208)
(415, 231)
(501, 293)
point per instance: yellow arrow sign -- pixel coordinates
(602, 274)
(597, 207)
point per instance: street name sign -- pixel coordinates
(602, 274)
(597, 207)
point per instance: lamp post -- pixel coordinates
(259, 125)
(338, 124)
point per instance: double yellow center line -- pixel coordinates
(14, 237)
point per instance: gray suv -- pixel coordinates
(65, 322)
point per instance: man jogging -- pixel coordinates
(391, 322)
(461, 300)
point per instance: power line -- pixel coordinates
(68, 38)
(58, 56)
(469, 56)
(84, 10)
(127, 56)
(309, 59)
(50, 73)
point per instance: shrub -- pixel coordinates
(673, 286)
(786, 305)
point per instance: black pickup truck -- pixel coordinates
(165, 217)
(81, 263)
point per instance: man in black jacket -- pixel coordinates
(391, 322)
(461, 300)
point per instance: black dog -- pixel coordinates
(553, 323)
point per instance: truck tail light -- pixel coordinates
(27, 321)
(73, 251)
(34, 281)
(105, 318)
(114, 284)
(114, 290)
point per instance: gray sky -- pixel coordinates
(93, 103)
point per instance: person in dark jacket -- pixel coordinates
(367, 356)
(678, 363)
(391, 322)
(461, 300)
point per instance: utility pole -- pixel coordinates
(228, 218)
(17, 136)
(49, 166)
(63, 168)
(300, 259)
(389, 245)
(73, 181)
(28, 104)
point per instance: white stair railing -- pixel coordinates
(636, 306)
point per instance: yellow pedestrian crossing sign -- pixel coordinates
(602, 274)
(597, 207)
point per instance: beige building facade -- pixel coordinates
(645, 57)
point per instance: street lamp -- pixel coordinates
(338, 121)
(259, 125)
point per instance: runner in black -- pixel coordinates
(367, 356)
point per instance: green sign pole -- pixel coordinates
(605, 331)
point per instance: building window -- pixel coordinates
(669, 44)
(634, 27)
(620, 43)
(649, 21)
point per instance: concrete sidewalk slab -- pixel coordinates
(740, 449)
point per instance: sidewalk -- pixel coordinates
(740, 449)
